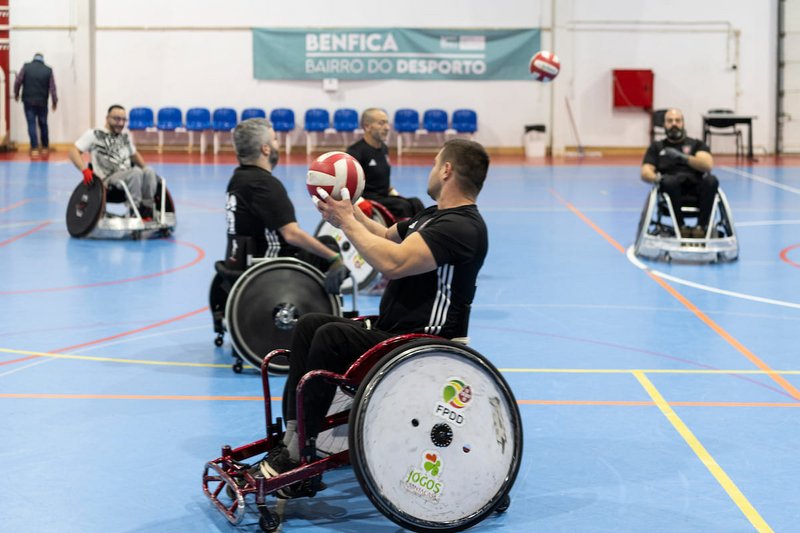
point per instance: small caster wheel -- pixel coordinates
(504, 504)
(238, 366)
(268, 522)
(218, 340)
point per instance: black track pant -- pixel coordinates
(677, 186)
(323, 342)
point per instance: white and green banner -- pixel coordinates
(393, 53)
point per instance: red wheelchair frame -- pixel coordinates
(229, 472)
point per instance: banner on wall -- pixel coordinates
(393, 53)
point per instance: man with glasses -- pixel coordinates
(114, 159)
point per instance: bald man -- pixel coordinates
(681, 166)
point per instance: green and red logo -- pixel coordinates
(432, 464)
(457, 393)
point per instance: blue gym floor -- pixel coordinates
(663, 399)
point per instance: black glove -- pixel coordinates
(335, 276)
(672, 153)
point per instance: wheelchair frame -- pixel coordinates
(228, 471)
(112, 226)
(659, 241)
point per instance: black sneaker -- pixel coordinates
(277, 462)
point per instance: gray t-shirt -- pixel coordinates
(110, 153)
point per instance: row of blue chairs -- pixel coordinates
(317, 120)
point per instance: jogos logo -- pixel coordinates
(424, 482)
(456, 395)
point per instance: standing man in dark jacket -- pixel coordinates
(38, 84)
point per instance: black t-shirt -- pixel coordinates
(666, 165)
(438, 302)
(377, 169)
(257, 205)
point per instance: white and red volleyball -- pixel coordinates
(334, 171)
(545, 66)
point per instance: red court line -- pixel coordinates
(21, 235)
(202, 398)
(753, 358)
(131, 332)
(785, 255)
(19, 360)
(200, 256)
(14, 205)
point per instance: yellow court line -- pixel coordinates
(116, 360)
(643, 370)
(719, 474)
(505, 370)
(719, 330)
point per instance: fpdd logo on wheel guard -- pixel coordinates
(456, 395)
(423, 482)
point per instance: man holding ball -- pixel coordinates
(432, 260)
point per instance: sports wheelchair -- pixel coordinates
(260, 306)
(658, 236)
(88, 214)
(453, 412)
(364, 274)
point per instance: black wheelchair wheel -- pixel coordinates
(265, 303)
(86, 205)
(435, 437)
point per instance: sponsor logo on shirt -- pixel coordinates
(372, 163)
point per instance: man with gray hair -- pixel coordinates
(260, 216)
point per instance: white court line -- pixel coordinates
(104, 345)
(633, 259)
(767, 223)
(761, 179)
(27, 223)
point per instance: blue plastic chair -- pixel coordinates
(465, 121)
(198, 119)
(435, 120)
(405, 121)
(140, 118)
(253, 112)
(169, 119)
(345, 120)
(316, 120)
(223, 120)
(283, 122)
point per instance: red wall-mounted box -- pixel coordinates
(633, 88)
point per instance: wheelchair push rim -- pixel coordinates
(265, 303)
(436, 437)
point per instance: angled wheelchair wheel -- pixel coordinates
(435, 437)
(365, 275)
(265, 302)
(85, 208)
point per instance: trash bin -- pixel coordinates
(534, 140)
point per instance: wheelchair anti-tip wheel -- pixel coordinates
(266, 301)
(435, 437)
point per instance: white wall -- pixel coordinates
(176, 62)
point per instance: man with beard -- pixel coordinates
(681, 166)
(260, 216)
(373, 154)
(114, 158)
(432, 260)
